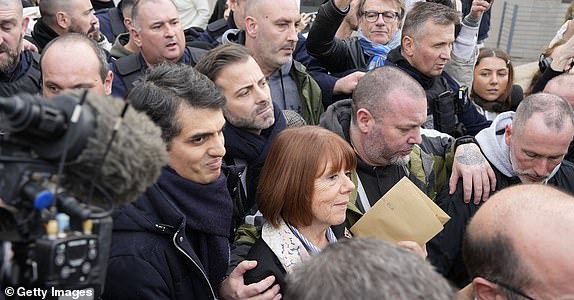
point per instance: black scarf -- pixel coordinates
(43, 34)
(208, 210)
(253, 148)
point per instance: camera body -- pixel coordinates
(58, 242)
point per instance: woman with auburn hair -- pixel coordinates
(493, 90)
(303, 192)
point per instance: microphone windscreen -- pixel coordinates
(135, 158)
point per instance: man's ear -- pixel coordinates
(407, 46)
(134, 34)
(128, 23)
(108, 83)
(484, 289)
(365, 120)
(508, 134)
(251, 26)
(25, 21)
(63, 20)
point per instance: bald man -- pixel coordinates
(63, 16)
(519, 245)
(562, 86)
(526, 146)
(90, 69)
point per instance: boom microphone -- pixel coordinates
(83, 130)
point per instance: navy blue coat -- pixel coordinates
(151, 245)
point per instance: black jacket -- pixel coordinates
(435, 88)
(268, 264)
(150, 244)
(337, 55)
(155, 254)
(451, 264)
(25, 77)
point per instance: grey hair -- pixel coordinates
(169, 86)
(414, 25)
(362, 268)
(79, 38)
(556, 111)
(372, 91)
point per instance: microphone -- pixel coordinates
(81, 128)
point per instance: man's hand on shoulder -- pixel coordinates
(477, 175)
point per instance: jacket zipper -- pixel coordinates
(198, 267)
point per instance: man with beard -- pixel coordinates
(252, 119)
(252, 124)
(271, 36)
(518, 147)
(62, 16)
(233, 28)
(383, 124)
(19, 70)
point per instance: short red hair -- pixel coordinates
(297, 157)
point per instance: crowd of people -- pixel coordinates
(278, 142)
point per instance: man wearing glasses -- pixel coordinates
(519, 245)
(379, 23)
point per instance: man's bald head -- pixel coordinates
(64, 16)
(15, 5)
(90, 69)
(521, 238)
(562, 86)
(49, 8)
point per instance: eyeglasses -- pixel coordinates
(512, 290)
(388, 16)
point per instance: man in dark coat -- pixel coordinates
(19, 70)
(173, 242)
(156, 31)
(426, 43)
(253, 122)
(63, 16)
(518, 148)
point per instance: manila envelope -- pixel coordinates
(404, 213)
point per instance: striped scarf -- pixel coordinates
(378, 52)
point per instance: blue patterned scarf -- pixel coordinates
(378, 52)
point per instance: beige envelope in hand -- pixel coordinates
(404, 213)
